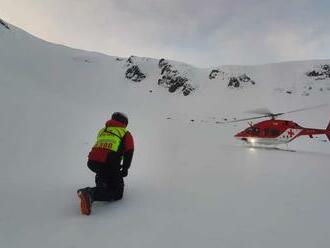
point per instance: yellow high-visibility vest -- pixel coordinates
(110, 138)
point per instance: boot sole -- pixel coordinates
(85, 207)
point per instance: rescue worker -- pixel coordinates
(110, 158)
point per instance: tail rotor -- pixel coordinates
(328, 131)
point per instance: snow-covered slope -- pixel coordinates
(190, 184)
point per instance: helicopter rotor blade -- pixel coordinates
(267, 113)
(304, 109)
(259, 111)
(247, 119)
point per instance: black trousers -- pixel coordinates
(108, 180)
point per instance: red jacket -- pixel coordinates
(127, 147)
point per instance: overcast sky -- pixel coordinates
(202, 33)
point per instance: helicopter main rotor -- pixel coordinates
(266, 113)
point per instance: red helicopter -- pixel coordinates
(275, 132)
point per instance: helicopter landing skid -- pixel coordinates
(265, 147)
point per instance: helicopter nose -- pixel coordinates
(241, 136)
(238, 135)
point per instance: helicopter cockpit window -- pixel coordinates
(252, 130)
(249, 130)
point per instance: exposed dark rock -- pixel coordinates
(130, 59)
(176, 83)
(134, 73)
(322, 73)
(167, 68)
(244, 78)
(325, 67)
(187, 89)
(213, 74)
(314, 74)
(239, 81)
(171, 79)
(233, 82)
(162, 62)
(3, 23)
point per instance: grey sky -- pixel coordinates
(202, 33)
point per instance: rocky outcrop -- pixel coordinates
(134, 72)
(320, 73)
(234, 81)
(215, 73)
(240, 81)
(170, 78)
(3, 23)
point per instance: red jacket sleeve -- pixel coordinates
(128, 142)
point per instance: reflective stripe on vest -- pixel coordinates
(110, 138)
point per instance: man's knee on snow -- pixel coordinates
(118, 194)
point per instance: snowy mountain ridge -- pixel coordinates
(4, 24)
(191, 184)
(175, 76)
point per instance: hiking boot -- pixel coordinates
(86, 201)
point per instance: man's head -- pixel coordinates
(121, 117)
